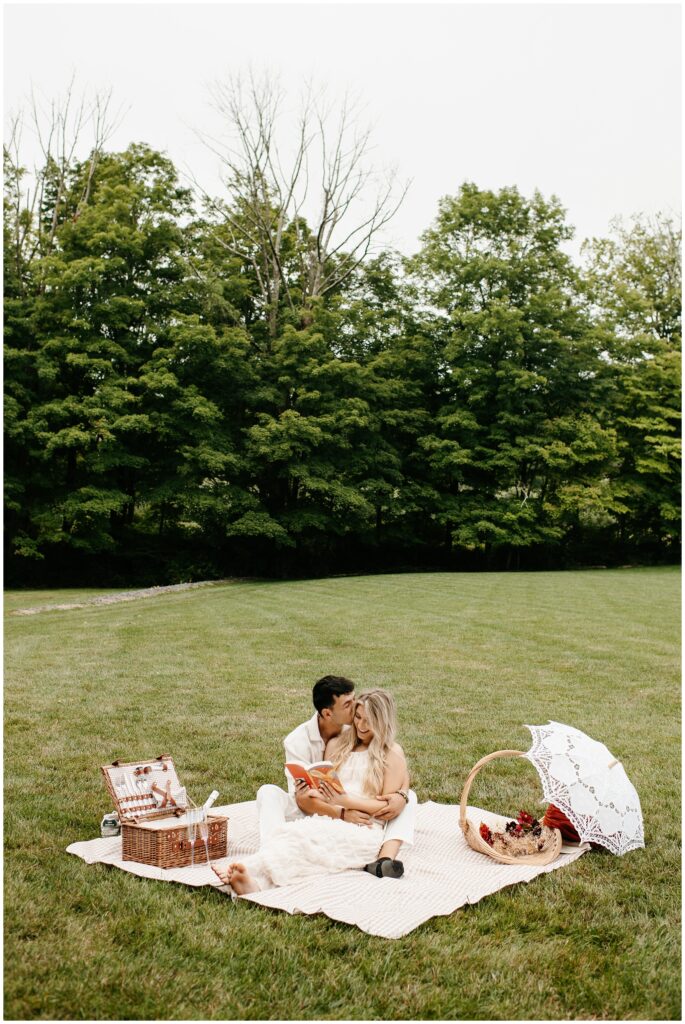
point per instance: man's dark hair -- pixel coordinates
(328, 688)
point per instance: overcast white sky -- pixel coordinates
(578, 100)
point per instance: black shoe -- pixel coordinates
(386, 868)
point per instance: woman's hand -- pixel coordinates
(331, 796)
(358, 818)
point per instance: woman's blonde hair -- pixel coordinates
(380, 711)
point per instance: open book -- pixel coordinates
(311, 773)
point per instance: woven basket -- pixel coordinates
(476, 841)
(171, 844)
(155, 835)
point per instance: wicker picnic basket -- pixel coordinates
(157, 831)
(472, 833)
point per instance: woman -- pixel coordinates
(368, 761)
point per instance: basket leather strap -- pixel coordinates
(165, 793)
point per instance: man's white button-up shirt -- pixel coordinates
(304, 744)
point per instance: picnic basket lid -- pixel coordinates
(145, 789)
(472, 833)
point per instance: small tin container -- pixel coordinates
(110, 825)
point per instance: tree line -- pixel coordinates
(198, 386)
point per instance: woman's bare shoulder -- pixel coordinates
(396, 753)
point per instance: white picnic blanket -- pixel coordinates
(441, 873)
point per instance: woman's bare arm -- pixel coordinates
(396, 773)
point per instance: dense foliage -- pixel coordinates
(485, 403)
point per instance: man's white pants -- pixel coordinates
(275, 807)
(402, 827)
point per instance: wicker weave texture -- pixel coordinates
(472, 833)
(173, 847)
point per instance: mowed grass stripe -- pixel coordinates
(218, 676)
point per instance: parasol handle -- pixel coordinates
(472, 774)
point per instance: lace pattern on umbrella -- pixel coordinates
(610, 822)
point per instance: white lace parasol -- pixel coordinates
(589, 785)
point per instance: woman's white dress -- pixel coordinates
(318, 845)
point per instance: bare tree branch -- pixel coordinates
(268, 193)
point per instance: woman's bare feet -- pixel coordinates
(238, 877)
(241, 880)
(223, 875)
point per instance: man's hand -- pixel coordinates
(394, 806)
(305, 797)
(357, 817)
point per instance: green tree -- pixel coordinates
(633, 283)
(294, 265)
(516, 434)
(374, 322)
(235, 390)
(85, 436)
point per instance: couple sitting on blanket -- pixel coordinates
(305, 832)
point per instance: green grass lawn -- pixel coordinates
(218, 676)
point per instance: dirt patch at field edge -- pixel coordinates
(125, 595)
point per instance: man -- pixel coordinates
(334, 700)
